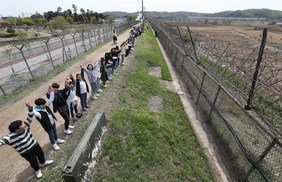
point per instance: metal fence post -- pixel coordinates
(89, 38)
(193, 45)
(21, 51)
(215, 99)
(262, 156)
(1, 88)
(48, 50)
(74, 41)
(255, 76)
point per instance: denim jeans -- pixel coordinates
(94, 89)
(83, 98)
(98, 83)
(52, 133)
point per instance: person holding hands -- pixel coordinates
(21, 139)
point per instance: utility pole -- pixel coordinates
(142, 11)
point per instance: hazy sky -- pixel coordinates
(27, 7)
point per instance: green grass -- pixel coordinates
(146, 146)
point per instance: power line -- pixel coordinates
(139, 4)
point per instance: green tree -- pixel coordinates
(59, 23)
(42, 21)
(130, 18)
(69, 19)
(27, 21)
(111, 19)
(93, 19)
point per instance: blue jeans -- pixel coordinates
(98, 83)
(83, 98)
(52, 133)
(93, 88)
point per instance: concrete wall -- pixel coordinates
(78, 163)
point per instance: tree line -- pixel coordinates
(70, 15)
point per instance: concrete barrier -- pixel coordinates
(82, 156)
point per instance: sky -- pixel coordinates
(28, 7)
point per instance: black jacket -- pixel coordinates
(60, 99)
(44, 121)
(77, 85)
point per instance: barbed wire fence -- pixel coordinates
(240, 98)
(26, 60)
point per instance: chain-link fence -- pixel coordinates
(221, 76)
(22, 61)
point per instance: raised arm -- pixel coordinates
(30, 114)
(51, 98)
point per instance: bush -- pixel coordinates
(10, 30)
(7, 35)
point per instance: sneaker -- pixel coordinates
(59, 141)
(78, 115)
(47, 163)
(105, 86)
(56, 147)
(84, 109)
(100, 90)
(97, 94)
(71, 127)
(38, 174)
(94, 98)
(68, 132)
(87, 106)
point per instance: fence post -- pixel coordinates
(48, 50)
(262, 156)
(21, 51)
(83, 40)
(89, 38)
(74, 41)
(255, 76)
(63, 47)
(2, 90)
(215, 99)
(193, 45)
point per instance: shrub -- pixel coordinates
(7, 35)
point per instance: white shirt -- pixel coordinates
(71, 97)
(82, 87)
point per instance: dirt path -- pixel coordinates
(12, 164)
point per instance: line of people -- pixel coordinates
(65, 102)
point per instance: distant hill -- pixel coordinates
(249, 13)
(119, 14)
